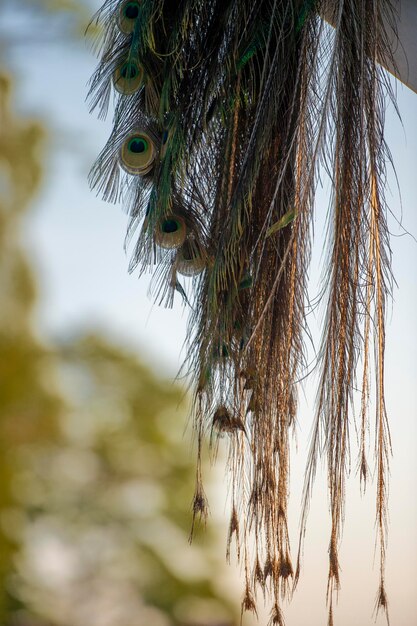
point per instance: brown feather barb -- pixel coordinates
(224, 113)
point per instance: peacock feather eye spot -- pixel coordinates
(131, 10)
(170, 226)
(128, 15)
(171, 232)
(137, 153)
(128, 77)
(129, 71)
(137, 145)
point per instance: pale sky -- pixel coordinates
(76, 244)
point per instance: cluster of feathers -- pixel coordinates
(225, 111)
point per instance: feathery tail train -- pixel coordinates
(224, 111)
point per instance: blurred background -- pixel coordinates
(96, 462)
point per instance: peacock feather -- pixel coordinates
(224, 111)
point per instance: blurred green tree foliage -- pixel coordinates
(110, 504)
(28, 410)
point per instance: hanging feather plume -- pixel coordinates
(224, 112)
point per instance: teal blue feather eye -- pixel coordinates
(128, 78)
(171, 232)
(128, 14)
(170, 226)
(129, 71)
(131, 10)
(137, 145)
(138, 153)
